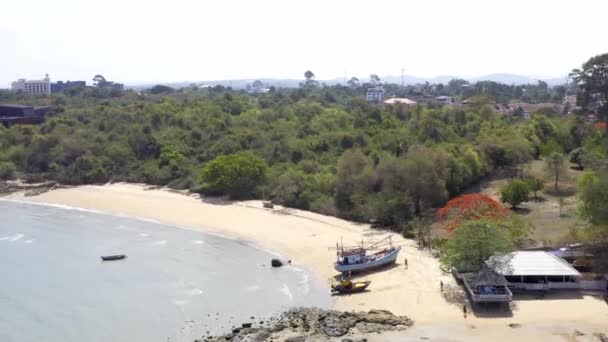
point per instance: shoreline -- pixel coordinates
(304, 238)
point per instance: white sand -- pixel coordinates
(304, 238)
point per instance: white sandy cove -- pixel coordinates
(304, 238)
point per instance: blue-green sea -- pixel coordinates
(175, 285)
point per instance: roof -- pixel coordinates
(403, 100)
(531, 263)
(488, 277)
(17, 106)
(443, 97)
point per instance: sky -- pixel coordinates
(150, 41)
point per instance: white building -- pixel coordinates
(444, 100)
(375, 94)
(33, 86)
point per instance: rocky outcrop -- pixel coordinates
(311, 324)
(34, 189)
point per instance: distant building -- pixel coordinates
(444, 100)
(12, 114)
(527, 109)
(33, 86)
(400, 100)
(569, 104)
(60, 86)
(375, 94)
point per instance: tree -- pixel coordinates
(374, 80)
(474, 242)
(469, 207)
(554, 165)
(161, 89)
(515, 193)
(593, 196)
(353, 170)
(592, 79)
(310, 79)
(353, 82)
(7, 170)
(593, 206)
(421, 228)
(257, 84)
(535, 185)
(236, 175)
(424, 176)
(577, 156)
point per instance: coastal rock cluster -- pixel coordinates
(9, 187)
(313, 324)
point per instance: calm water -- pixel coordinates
(175, 285)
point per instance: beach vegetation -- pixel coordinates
(515, 192)
(236, 175)
(474, 242)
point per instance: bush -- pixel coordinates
(235, 175)
(515, 193)
(7, 170)
(535, 185)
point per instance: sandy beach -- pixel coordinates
(304, 238)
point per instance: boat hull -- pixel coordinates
(356, 287)
(384, 260)
(113, 257)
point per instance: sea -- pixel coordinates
(175, 284)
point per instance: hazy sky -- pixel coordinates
(162, 41)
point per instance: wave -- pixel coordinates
(159, 243)
(194, 292)
(198, 242)
(252, 288)
(12, 238)
(285, 290)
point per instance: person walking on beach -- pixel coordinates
(464, 310)
(441, 285)
(405, 263)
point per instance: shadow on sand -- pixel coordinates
(359, 275)
(493, 310)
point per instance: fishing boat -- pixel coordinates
(113, 257)
(356, 258)
(347, 286)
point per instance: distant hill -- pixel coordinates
(408, 79)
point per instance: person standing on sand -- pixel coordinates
(405, 263)
(464, 310)
(441, 285)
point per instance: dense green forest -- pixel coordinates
(318, 148)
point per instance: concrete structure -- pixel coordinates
(33, 86)
(12, 114)
(376, 94)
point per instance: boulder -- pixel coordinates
(276, 263)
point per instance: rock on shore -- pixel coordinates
(312, 324)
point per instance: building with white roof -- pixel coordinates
(538, 270)
(400, 100)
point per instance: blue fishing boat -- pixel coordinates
(357, 259)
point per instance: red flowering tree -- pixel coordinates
(469, 207)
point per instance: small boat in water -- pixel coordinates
(347, 286)
(355, 259)
(113, 257)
